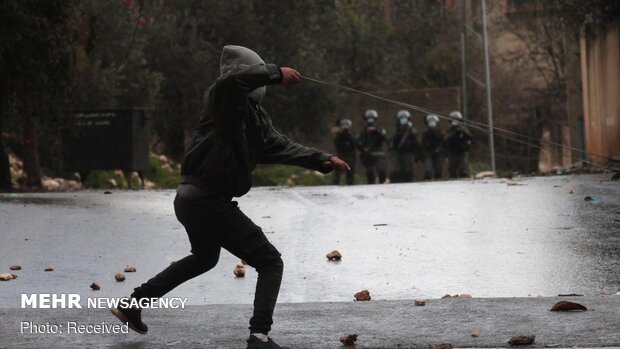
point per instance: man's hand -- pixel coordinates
(337, 164)
(290, 76)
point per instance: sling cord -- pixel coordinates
(473, 124)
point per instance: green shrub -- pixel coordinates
(161, 175)
(101, 180)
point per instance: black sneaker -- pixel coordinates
(132, 317)
(255, 343)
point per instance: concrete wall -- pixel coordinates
(600, 69)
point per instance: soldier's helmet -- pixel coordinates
(371, 113)
(403, 117)
(371, 116)
(345, 124)
(432, 120)
(403, 114)
(456, 118)
(456, 115)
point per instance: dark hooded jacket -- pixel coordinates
(235, 133)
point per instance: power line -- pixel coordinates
(510, 135)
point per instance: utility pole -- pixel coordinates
(464, 58)
(488, 82)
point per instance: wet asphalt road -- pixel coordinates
(399, 241)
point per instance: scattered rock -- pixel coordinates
(475, 334)
(522, 340)
(244, 262)
(590, 199)
(49, 268)
(440, 346)
(7, 276)
(149, 185)
(129, 269)
(363, 295)
(485, 174)
(239, 271)
(107, 192)
(420, 302)
(348, 339)
(572, 191)
(95, 286)
(119, 277)
(463, 295)
(69, 185)
(15, 267)
(568, 306)
(50, 184)
(112, 182)
(616, 176)
(334, 255)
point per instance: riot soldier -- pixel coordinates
(458, 142)
(370, 143)
(433, 142)
(405, 148)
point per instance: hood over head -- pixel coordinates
(232, 56)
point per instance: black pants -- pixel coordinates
(434, 166)
(457, 167)
(211, 224)
(374, 162)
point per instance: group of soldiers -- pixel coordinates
(404, 148)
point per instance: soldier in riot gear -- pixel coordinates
(344, 143)
(432, 143)
(458, 142)
(405, 148)
(370, 143)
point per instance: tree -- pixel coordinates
(35, 63)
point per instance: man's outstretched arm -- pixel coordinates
(280, 149)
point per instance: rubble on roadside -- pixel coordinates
(461, 296)
(441, 346)
(568, 306)
(485, 174)
(522, 339)
(334, 255)
(362, 296)
(348, 339)
(7, 276)
(239, 270)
